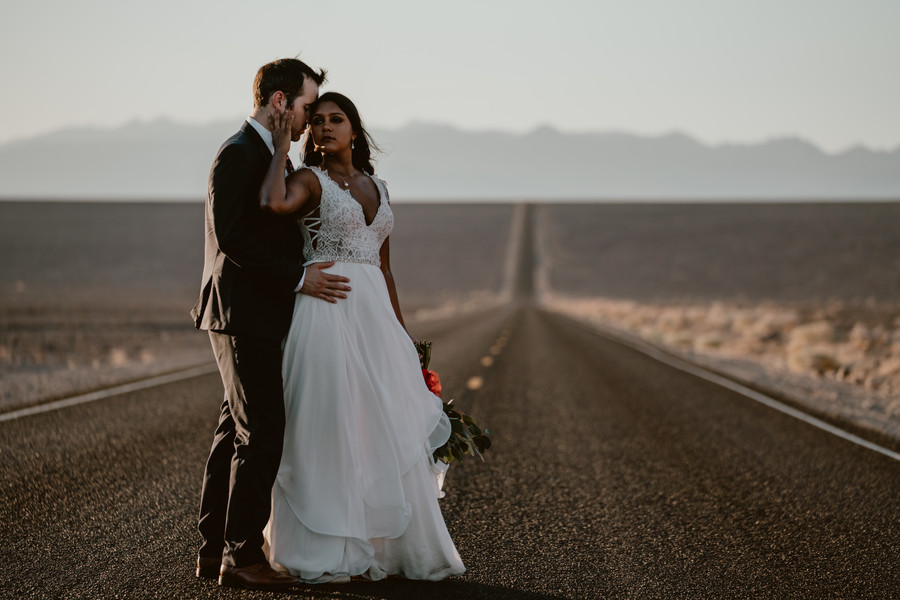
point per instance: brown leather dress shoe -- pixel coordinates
(255, 577)
(208, 568)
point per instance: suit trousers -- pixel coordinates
(236, 498)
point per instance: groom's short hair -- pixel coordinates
(283, 75)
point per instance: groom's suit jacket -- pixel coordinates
(252, 258)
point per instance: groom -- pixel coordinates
(252, 270)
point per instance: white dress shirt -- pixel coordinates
(264, 133)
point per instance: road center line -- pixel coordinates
(110, 392)
(687, 367)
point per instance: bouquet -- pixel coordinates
(465, 436)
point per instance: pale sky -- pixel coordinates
(720, 70)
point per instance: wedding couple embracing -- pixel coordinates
(321, 465)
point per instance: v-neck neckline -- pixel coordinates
(362, 208)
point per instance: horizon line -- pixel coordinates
(768, 139)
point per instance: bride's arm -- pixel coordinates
(385, 256)
(278, 194)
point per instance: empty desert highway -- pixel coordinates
(611, 476)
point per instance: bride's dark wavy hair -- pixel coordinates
(363, 146)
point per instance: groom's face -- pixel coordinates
(300, 108)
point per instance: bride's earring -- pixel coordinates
(351, 144)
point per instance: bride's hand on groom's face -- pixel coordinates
(280, 123)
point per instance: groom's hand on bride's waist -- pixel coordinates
(325, 286)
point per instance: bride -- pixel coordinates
(357, 489)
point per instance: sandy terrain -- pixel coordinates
(803, 253)
(93, 294)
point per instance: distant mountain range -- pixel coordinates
(162, 160)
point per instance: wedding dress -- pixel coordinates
(357, 490)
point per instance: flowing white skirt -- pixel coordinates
(357, 490)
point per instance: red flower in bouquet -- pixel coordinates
(465, 435)
(433, 381)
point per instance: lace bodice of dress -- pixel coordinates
(337, 229)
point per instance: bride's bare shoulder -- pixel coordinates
(306, 178)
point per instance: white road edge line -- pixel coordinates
(110, 392)
(687, 367)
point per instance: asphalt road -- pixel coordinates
(611, 476)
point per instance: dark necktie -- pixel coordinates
(289, 166)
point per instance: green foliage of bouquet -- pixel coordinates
(465, 435)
